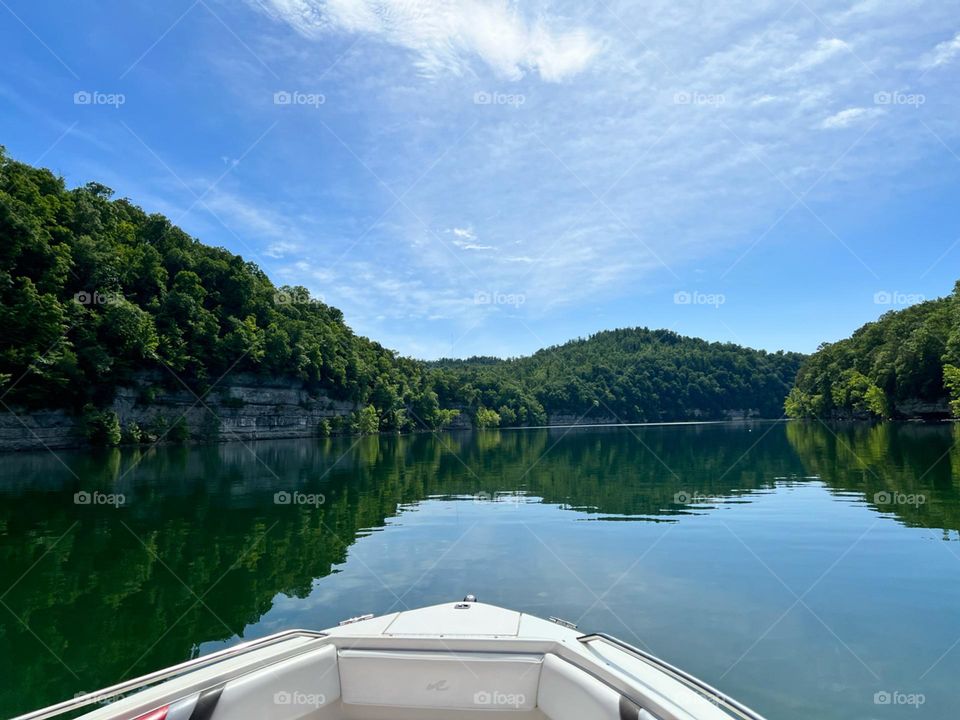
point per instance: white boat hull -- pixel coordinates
(452, 661)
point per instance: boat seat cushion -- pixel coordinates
(302, 686)
(480, 681)
(568, 693)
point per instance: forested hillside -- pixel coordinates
(906, 358)
(633, 374)
(94, 290)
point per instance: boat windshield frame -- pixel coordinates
(717, 697)
(139, 683)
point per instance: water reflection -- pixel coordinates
(910, 471)
(199, 550)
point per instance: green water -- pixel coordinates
(759, 557)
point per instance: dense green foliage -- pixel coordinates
(632, 375)
(951, 380)
(487, 418)
(94, 291)
(907, 356)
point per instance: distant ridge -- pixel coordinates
(629, 374)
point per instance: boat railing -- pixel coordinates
(717, 697)
(139, 683)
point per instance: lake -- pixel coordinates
(810, 571)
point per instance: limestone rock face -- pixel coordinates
(919, 408)
(35, 430)
(241, 407)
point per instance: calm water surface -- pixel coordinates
(801, 568)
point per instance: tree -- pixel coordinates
(366, 421)
(445, 418)
(244, 341)
(34, 346)
(132, 434)
(802, 405)
(876, 402)
(101, 427)
(487, 418)
(856, 392)
(129, 331)
(951, 379)
(507, 415)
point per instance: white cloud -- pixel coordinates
(764, 99)
(446, 34)
(256, 220)
(465, 239)
(279, 249)
(823, 51)
(848, 117)
(464, 233)
(943, 53)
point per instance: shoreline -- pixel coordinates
(229, 438)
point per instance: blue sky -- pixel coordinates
(482, 177)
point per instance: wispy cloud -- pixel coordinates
(680, 137)
(466, 239)
(943, 54)
(848, 117)
(821, 53)
(279, 249)
(445, 35)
